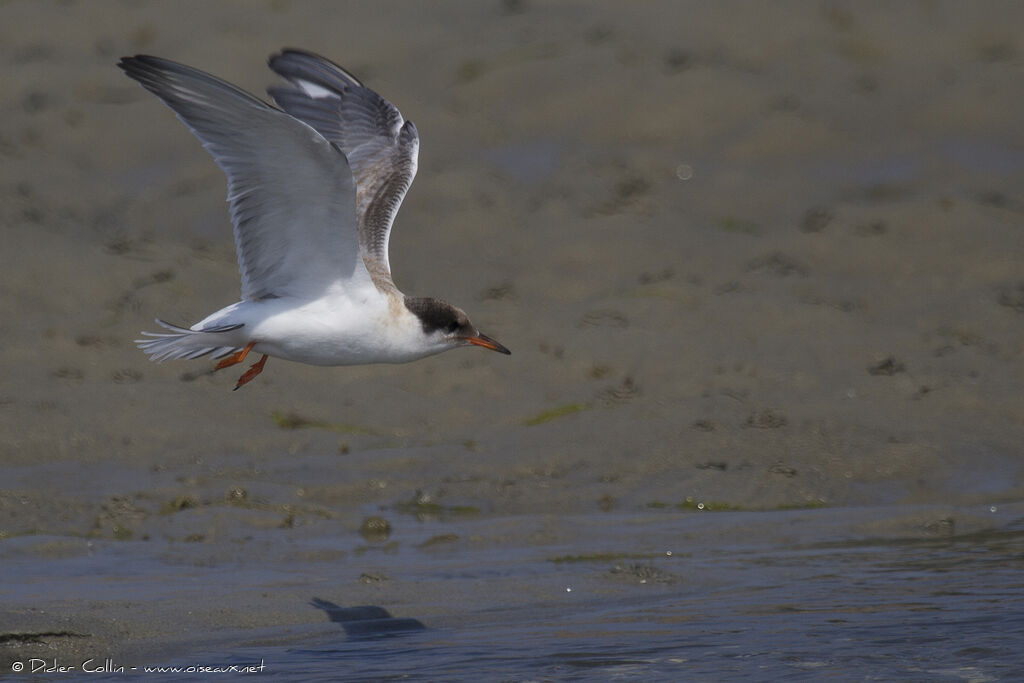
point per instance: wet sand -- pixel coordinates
(747, 258)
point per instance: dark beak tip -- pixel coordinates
(488, 343)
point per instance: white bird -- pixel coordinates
(313, 189)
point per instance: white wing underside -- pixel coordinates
(291, 190)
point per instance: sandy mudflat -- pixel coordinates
(747, 257)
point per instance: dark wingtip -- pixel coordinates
(292, 62)
(134, 61)
(285, 51)
(140, 67)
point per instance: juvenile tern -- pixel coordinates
(313, 188)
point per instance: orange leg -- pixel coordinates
(236, 358)
(249, 374)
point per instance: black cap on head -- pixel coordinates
(437, 316)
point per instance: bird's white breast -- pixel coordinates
(336, 330)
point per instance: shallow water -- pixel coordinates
(949, 610)
(789, 595)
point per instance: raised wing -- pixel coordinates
(291, 191)
(380, 145)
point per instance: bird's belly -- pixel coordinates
(322, 350)
(336, 336)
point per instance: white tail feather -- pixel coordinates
(183, 343)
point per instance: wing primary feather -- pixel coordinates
(381, 147)
(291, 192)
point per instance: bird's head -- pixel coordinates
(449, 326)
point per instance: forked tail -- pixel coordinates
(181, 342)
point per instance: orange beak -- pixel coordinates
(488, 343)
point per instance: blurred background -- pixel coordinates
(748, 257)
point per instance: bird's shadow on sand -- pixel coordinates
(367, 621)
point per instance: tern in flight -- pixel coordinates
(313, 189)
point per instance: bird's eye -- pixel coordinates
(453, 327)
